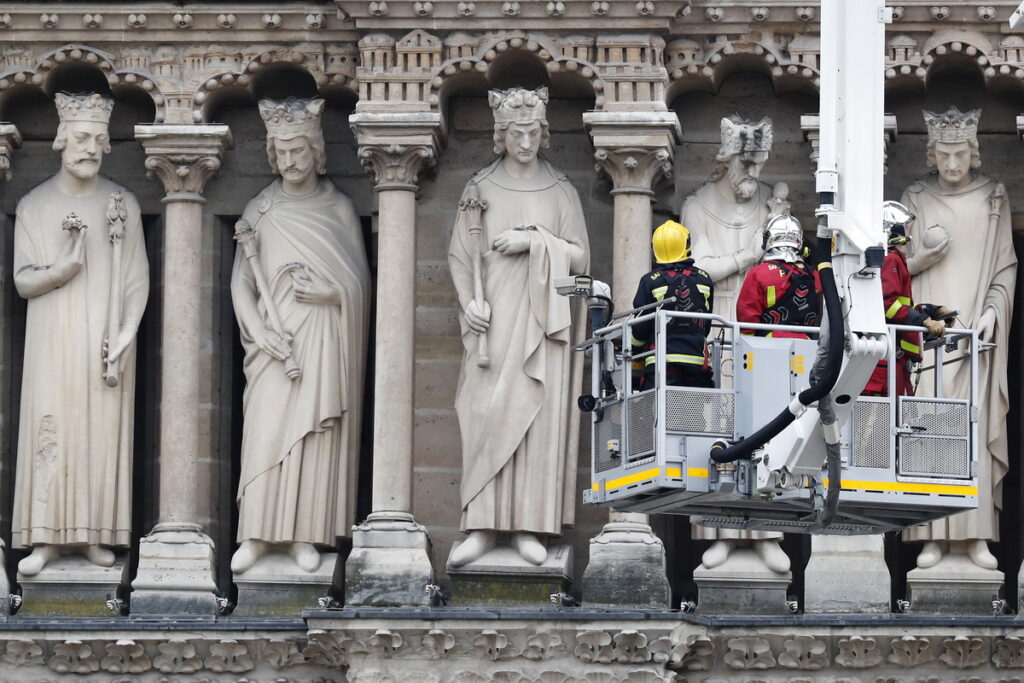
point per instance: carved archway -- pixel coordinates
(331, 70)
(44, 75)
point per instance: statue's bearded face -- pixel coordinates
(296, 159)
(743, 171)
(523, 140)
(953, 160)
(85, 142)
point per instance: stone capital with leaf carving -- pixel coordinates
(10, 139)
(184, 157)
(635, 149)
(395, 147)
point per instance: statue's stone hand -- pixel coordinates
(271, 343)
(124, 339)
(71, 258)
(322, 293)
(932, 249)
(987, 325)
(512, 241)
(478, 316)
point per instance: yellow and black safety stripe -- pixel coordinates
(908, 487)
(648, 475)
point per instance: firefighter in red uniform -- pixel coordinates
(781, 290)
(686, 362)
(899, 307)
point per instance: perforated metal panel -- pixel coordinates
(641, 425)
(939, 418)
(870, 437)
(932, 457)
(697, 412)
(609, 428)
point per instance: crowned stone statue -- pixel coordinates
(726, 216)
(301, 291)
(962, 255)
(80, 261)
(520, 226)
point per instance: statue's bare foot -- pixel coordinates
(98, 555)
(474, 547)
(306, 556)
(247, 554)
(529, 548)
(980, 555)
(715, 555)
(41, 556)
(930, 555)
(772, 554)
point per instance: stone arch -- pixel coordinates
(537, 48)
(693, 66)
(53, 63)
(1000, 66)
(332, 71)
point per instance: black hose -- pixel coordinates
(742, 449)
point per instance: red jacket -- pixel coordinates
(762, 298)
(899, 303)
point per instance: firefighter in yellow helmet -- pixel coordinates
(676, 276)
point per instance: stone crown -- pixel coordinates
(518, 105)
(740, 135)
(292, 118)
(953, 125)
(83, 107)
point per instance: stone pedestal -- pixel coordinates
(626, 569)
(741, 585)
(390, 563)
(501, 578)
(72, 586)
(175, 574)
(953, 586)
(276, 587)
(847, 575)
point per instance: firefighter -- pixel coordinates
(686, 360)
(781, 290)
(899, 307)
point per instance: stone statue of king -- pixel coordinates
(80, 260)
(301, 291)
(520, 226)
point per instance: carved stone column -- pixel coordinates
(10, 139)
(390, 560)
(635, 149)
(176, 565)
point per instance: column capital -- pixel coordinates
(10, 139)
(810, 124)
(634, 148)
(395, 147)
(184, 157)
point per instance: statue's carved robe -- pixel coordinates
(300, 439)
(979, 271)
(719, 229)
(518, 419)
(74, 471)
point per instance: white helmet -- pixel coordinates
(895, 219)
(783, 238)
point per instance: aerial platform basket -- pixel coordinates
(905, 460)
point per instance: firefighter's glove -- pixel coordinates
(935, 328)
(938, 312)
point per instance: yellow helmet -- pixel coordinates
(671, 242)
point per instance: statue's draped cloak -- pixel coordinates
(979, 271)
(300, 440)
(74, 469)
(517, 418)
(719, 229)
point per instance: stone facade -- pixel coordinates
(637, 93)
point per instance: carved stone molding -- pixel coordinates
(635, 149)
(811, 126)
(396, 147)
(10, 139)
(183, 157)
